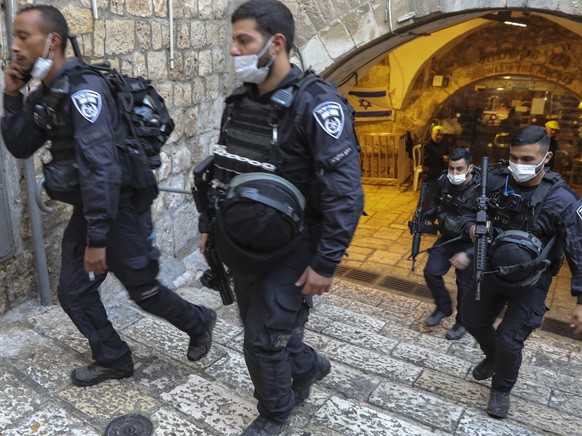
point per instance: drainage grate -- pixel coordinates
(362, 276)
(396, 283)
(423, 290)
(341, 270)
(558, 327)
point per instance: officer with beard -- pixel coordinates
(535, 218)
(304, 141)
(456, 191)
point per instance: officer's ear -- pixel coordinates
(548, 157)
(279, 43)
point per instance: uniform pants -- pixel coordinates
(437, 266)
(274, 314)
(134, 261)
(524, 313)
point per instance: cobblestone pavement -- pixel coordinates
(390, 375)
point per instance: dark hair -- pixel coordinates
(271, 17)
(461, 153)
(52, 21)
(531, 135)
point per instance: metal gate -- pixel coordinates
(384, 157)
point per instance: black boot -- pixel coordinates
(95, 374)
(302, 388)
(200, 345)
(436, 317)
(263, 426)
(498, 406)
(484, 369)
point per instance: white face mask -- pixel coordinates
(524, 173)
(42, 66)
(457, 179)
(246, 67)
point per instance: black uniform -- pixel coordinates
(321, 159)
(509, 208)
(451, 201)
(82, 131)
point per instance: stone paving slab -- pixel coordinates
(16, 399)
(52, 420)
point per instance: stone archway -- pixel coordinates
(489, 52)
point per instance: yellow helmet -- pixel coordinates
(553, 124)
(438, 129)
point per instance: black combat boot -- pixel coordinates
(484, 369)
(456, 332)
(436, 317)
(263, 426)
(498, 406)
(94, 374)
(301, 388)
(200, 344)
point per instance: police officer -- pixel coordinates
(314, 147)
(105, 231)
(456, 190)
(536, 218)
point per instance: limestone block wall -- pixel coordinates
(134, 36)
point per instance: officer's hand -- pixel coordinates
(576, 323)
(14, 79)
(95, 260)
(202, 243)
(313, 283)
(472, 233)
(460, 260)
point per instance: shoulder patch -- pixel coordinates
(330, 117)
(88, 103)
(579, 212)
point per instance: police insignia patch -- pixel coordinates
(88, 103)
(579, 212)
(330, 117)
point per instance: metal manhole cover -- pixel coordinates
(130, 425)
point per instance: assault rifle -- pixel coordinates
(418, 225)
(481, 230)
(217, 277)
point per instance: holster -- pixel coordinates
(61, 181)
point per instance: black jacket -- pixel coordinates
(84, 132)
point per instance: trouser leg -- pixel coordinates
(274, 313)
(524, 314)
(437, 266)
(463, 281)
(80, 299)
(478, 317)
(135, 262)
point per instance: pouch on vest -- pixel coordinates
(61, 181)
(258, 222)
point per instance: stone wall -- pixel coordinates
(134, 36)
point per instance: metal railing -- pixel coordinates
(384, 157)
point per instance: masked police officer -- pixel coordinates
(105, 231)
(303, 140)
(456, 191)
(535, 218)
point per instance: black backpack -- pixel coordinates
(144, 125)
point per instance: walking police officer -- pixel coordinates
(293, 136)
(106, 230)
(455, 190)
(535, 218)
